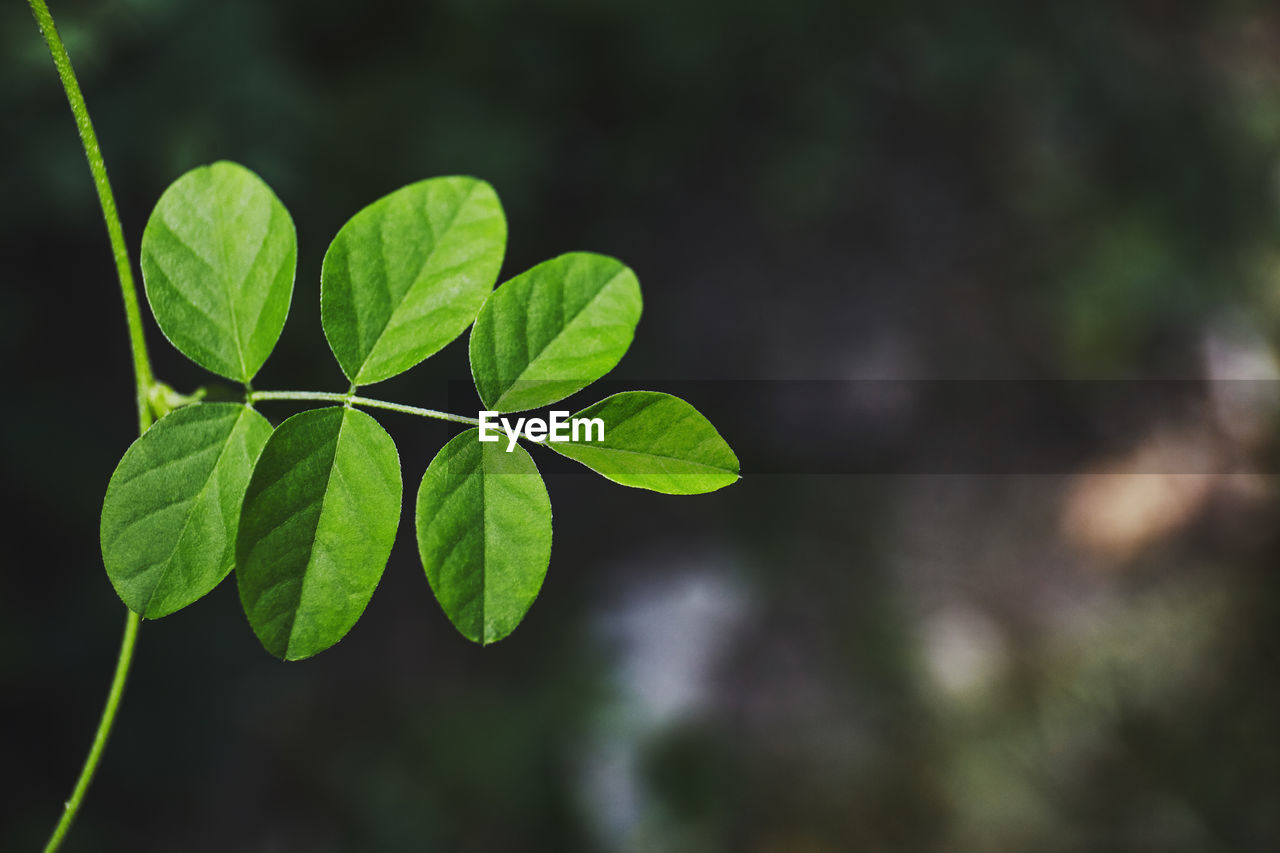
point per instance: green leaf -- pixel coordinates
(553, 330)
(319, 519)
(484, 535)
(654, 441)
(169, 519)
(407, 274)
(218, 258)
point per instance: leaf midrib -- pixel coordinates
(227, 287)
(688, 415)
(311, 547)
(603, 448)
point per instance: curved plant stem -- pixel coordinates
(89, 140)
(100, 737)
(331, 397)
(143, 380)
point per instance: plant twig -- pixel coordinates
(106, 199)
(333, 397)
(143, 380)
(100, 737)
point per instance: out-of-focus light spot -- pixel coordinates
(1241, 368)
(669, 635)
(964, 650)
(670, 638)
(1136, 500)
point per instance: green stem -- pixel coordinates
(352, 399)
(143, 380)
(89, 140)
(100, 737)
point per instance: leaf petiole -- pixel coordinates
(163, 399)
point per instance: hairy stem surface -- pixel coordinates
(143, 380)
(100, 737)
(332, 397)
(106, 199)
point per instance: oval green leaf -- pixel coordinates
(654, 441)
(172, 508)
(407, 274)
(218, 260)
(553, 330)
(319, 519)
(484, 535)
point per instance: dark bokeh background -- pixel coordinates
(1073, 660)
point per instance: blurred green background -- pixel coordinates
(807, 661)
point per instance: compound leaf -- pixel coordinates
(484, 534)
(218, 260)
(654, 441)
(172, 508)
(319, 519)
(407, 274)
(553, 330)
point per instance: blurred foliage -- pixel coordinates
(806, 190)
